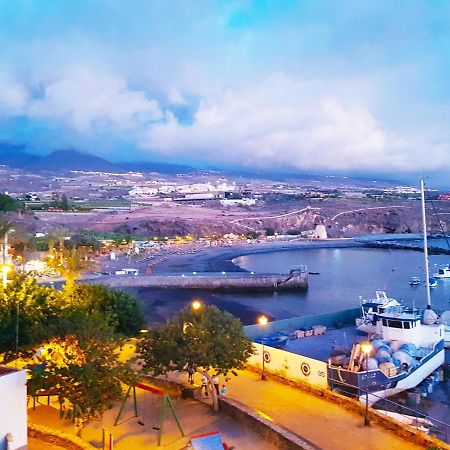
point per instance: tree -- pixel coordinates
(121, 309)
(207, 338)
(70, 263)
(8, 204)
(84, 369)
(270, 232)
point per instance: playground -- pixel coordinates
(149, 416)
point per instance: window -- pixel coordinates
(395, 323)
(406, 325)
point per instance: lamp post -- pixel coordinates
(5, 270)
(263, 321)
(366, 348)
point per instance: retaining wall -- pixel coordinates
(334, 319)
(281, 437)
(59, 438)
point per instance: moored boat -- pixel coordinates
(443, 272)
(410, 347)
(414, 281)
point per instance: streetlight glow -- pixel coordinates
(263, 320)
(366, 348)
(196, 305)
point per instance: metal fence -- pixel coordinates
(383, 405)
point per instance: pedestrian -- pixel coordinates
(191, 375)
(215, 381)
(205, 385)
(223, 391)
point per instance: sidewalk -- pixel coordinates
(323, 423)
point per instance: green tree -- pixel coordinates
(196, 339)
(270, 232)
(121, 309)
(84, 369)
(9, 204)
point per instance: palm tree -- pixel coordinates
(6, 227)
(59, 235)
(71, 263)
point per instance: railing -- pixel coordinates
(436, 427)
(107, 440)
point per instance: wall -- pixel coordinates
(290, 366)
(330, 320)
(13, 407)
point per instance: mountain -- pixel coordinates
(62, 160)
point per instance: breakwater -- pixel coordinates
(224, 281)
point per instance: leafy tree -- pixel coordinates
(121, 309)
(207, 338)
(270, 232)
(86, 372)
(30, 306)
(8, 204)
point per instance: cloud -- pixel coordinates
(13, 96)
(286, 123)
(84, 98)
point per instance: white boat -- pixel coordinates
(410, 348)
(370, 308)
(414, 281)
(432, 282)
(443, 272)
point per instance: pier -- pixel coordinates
(225, 281)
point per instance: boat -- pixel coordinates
(443, 272)
(414, 281)
(370, 308)
(432, 282)
(276, 340)
(410, 346)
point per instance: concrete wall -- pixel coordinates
(13, 408)
(290, 366)
(330, 320)
(281, 437)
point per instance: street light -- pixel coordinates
(263, 321)
(5, 270)
(196, 305)
(366, 348)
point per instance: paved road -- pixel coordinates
(323, 423)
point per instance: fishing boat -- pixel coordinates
(410, 346)
(443, 272)
(414, 281)
(371, 308)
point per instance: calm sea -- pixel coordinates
(345, 274)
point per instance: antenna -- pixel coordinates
(425, 244)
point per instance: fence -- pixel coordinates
(383, 405)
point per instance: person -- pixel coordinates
(205, 385)
(223, 391)
(215, 381)
(191, 375)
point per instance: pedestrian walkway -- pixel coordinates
(320, 421)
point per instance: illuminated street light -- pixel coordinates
(263, 321)
(5, 270)
(366, 348)
(196, 305)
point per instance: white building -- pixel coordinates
(13, 410)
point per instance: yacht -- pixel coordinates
(443, 272)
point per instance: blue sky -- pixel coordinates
(329, 86)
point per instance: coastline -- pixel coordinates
(218, 259)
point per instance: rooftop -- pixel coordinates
(5, 370)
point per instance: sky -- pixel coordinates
(339, 86)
